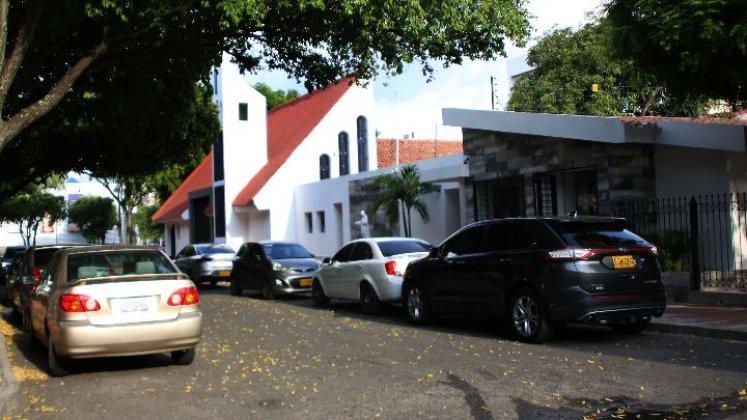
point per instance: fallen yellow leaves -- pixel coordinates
(23, 373)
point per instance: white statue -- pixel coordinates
(363, 223)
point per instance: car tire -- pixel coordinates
(317, 294)
(528, 317)
(183, 357)
(267, 293)
(370, 302)
(234, 287)
(58, 365)
(632, 328)
(416, 304)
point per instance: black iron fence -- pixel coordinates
(703, 235)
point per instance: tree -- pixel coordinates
(566, 66)
(403, 189)
(29, 209)
(276, 97)
(694, 47)
(94, 216)
(145, 227)
(98, 84)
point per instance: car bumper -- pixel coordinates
(292, 285)
(612, 308)
(390, 288)
(217, 273)
(81, 339)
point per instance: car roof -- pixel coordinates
(388, 239)
(559, 219)
(104, 248)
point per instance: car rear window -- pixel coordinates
(389, 248)
(116, 263)
(598, 235)
(42, 256)
(215, 249)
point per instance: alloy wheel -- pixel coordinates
(526, 315)
(415, 303)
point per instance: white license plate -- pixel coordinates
(140, 304)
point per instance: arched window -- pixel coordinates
(323, 166)
(362, 144)
(342, 147)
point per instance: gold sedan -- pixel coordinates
(101, 301)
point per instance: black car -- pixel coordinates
(7, 258)
(273, 267)
(539, 273)
(29, 273)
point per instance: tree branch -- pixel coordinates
(38, 109)
(20, 45)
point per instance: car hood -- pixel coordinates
(298, 262)
(222, 257)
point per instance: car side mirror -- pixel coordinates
(327, 260)
(433, 253)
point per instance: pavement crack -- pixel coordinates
(478, 408)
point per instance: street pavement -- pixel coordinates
(718, 322)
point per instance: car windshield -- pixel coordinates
(215, 249)
(598, 235)
(117, 263)
(284, 251)
(389, 248)
(11, 251)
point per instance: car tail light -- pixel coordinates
(184, 296)
(78, 303)
(570, 254)
(391, 268)
(36, 273)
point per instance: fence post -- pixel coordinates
(695, 259)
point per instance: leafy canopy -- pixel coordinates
(696, 47)
(568, 64)
(275, 97)
(94, 216)
(120, 87)
(405, 189)
(30, 209)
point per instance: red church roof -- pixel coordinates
(287, 127)
(174, 206)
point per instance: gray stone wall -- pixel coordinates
(624, 171)
(363, 194)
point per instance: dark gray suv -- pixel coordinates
(539, 273)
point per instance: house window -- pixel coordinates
(585, 185)
(498, 198)
(243, 111)
(342, 147)
(362, 125)
(545, 197)
(322, 222)
(309, 223)
(218, 158)
(324, 166)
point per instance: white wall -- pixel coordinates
(323, 196)
(684, 171)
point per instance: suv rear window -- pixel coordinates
(598, 235)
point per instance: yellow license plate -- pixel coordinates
(623, 262)
(224, 273)
(304, 282)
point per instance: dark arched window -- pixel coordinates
(323, 166)
(362, 144)
(342, 147)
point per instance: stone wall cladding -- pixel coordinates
(363, 195)
(624, 171)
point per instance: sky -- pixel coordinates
(408, 105)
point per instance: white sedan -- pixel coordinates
(369, 270)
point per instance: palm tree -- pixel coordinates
(405, 189)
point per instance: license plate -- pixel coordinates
(623, 262)
(304, 282)
(224, 273)
(143, 304)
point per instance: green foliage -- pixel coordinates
(566, 66)
(94, 216)
(696, 47)
(406, 189)
(141, 103)
(146, 228)
(275, 98)
(29, 209)
(674, 250)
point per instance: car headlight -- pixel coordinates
(279, 267)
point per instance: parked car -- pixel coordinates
(11, 272)
(540, 273)
(7, 257)
(367, 270)
(116, 300)
(273, 267)
(206, 262)
(29, 274)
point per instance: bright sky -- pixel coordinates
(409, 104)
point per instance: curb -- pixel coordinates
(11, 399)
(698, 331)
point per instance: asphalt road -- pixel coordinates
(287, 359)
